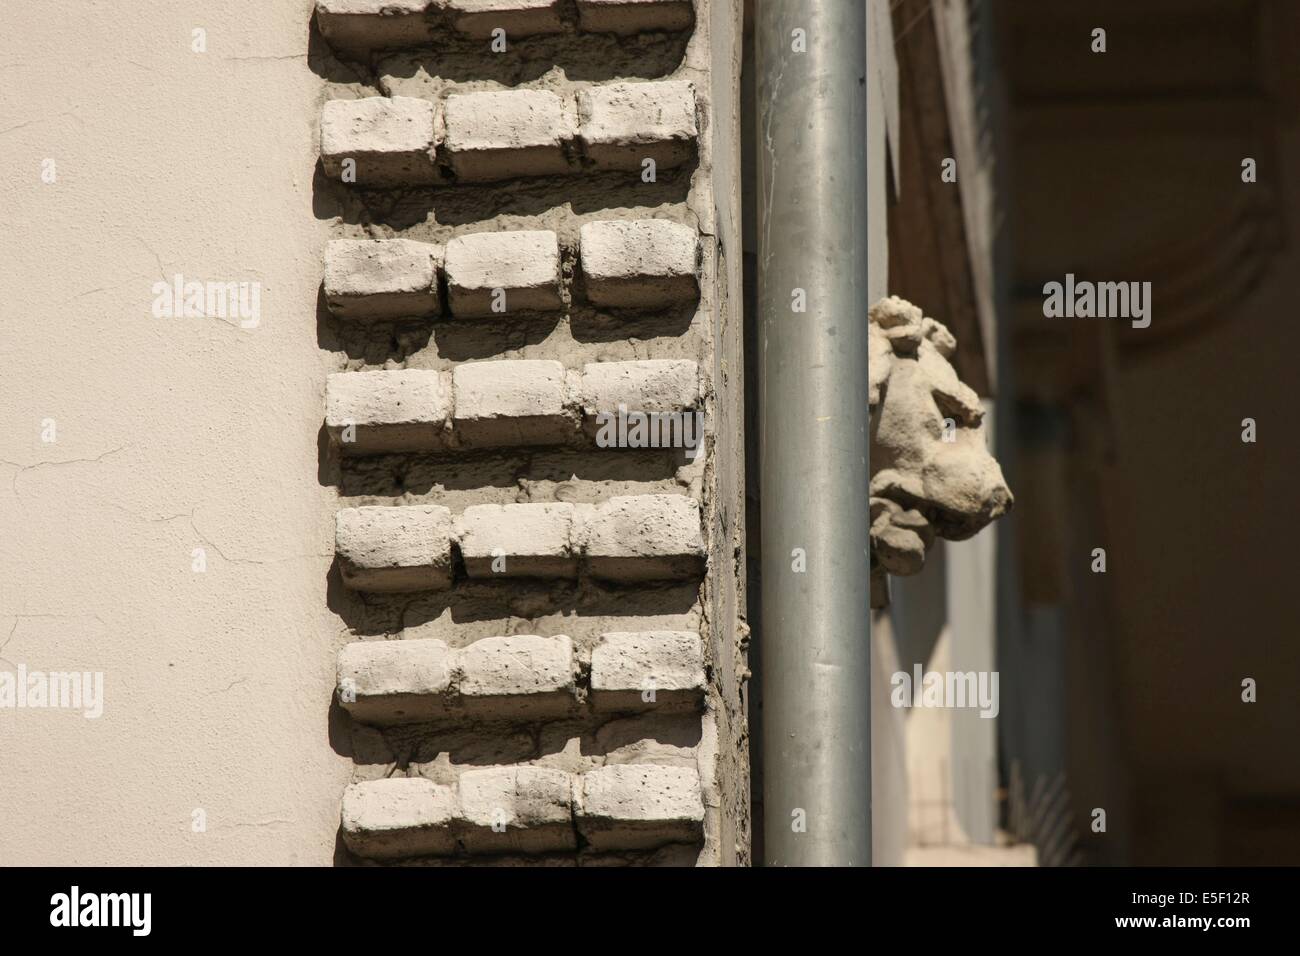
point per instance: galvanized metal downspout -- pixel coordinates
(812, 236)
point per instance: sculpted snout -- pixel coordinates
(965, 488)
(1000, 498)
(932, 472)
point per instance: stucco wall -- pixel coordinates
(171, 434)
(167, 492)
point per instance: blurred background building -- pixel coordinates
(1121, 692)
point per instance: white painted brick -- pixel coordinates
(392, 139)
(634, 16)
(405, 548)
(638, 263)
(525, 265)
(636, 806)
(388, 411)
(518, 540)
(622, 124)
(519, 18)
(399, 817)
(651, 385)
(387, 682)
(517, 677)
(644, 538)
(531, 809)
(373, 24)
(647, 670)
(514, 388)
(503, 134)
(513, 402)
(382, 278)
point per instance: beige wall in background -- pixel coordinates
(172, 434)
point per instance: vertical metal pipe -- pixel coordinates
(810, 60)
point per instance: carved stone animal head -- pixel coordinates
(931, 470)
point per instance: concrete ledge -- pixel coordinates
(394, 548)
(623, 124)
(521, 540)
(392, 140)
(647, 670)
(634, 16)
(644, 538)
(650, 385)
(639, 263)
(388, 411)
(382, 278)
(374, 24)
(519, 676)
(519, 18)
(386, 682)
(498, 273)
(399, 816)
(517, 810)
(517, 402)
(503, 135)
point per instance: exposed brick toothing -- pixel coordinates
(362, 25)
(627, 538)
(524, 809)
(520, 677)
(489, 136)
(542, 659)
(499, 404)
(516, 677)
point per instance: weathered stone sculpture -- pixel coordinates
(931, 471)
